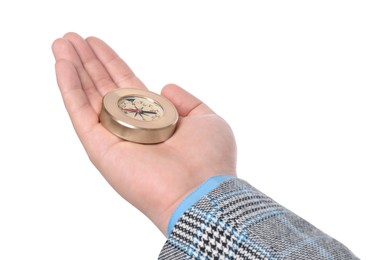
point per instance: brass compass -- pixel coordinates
(139, 116)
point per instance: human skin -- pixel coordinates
(153, 178)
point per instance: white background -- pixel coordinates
(302, 83)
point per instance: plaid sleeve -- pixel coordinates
(233, 220)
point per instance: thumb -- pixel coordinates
(185, 103)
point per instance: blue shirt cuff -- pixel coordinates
(195, 196)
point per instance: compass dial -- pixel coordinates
(140, 108)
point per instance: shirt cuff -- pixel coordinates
(195, 196)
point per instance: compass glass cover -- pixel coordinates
(140, 108)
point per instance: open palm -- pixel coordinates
(154, 178)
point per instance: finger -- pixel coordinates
(82, 115)
(64, 50)
(185, 103)
(90, 62)
(120, 72)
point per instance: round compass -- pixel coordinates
(138, 115)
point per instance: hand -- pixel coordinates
(153, 178)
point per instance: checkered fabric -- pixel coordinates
(236, 221)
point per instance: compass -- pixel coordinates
(139, 116)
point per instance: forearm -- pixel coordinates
(234, 220)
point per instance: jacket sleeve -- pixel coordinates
(226, 218)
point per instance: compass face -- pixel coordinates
(140, 108)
